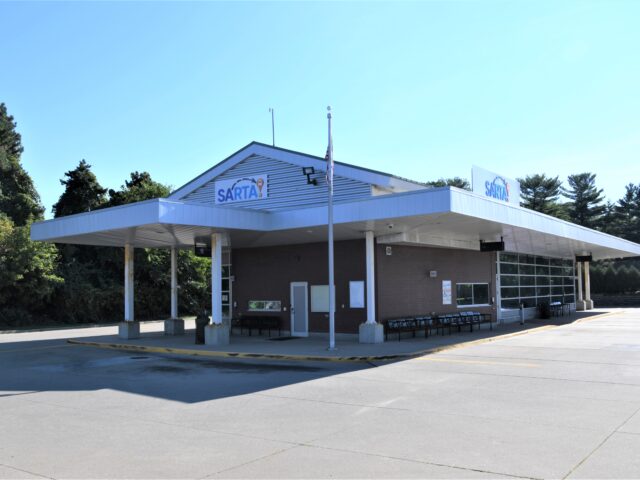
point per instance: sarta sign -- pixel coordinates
(495, 186)
(254, 187)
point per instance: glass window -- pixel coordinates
(264, 305)
(510, 304)
(509, 268)
(542, 261)
(527, 281)
(528, 292)
(509, 280)
(481, 294)
(527, 270)
(541, 279)
(509, 292)
(464, 294)
(542, 291)
(509, 257)
(542, 270)
(472, 294)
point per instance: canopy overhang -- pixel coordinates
(443, 217)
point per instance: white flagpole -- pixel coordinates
(332, 306)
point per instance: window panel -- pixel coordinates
(481, 294)
(509, 280)
(464, 294)
(509, 268)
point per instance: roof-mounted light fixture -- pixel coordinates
(308, 171)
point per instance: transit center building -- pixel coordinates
(402, 248)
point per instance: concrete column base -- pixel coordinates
(174, 326)
(129, 330)
(588, 304)
(580, 305)
(371, 333)
(216, 334)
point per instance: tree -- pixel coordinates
(82, 192)
(10, 139)
(140, 187)
(19, 199)
(624, 217)
(541, 193)
(27, 274)
(585, 206)
(451, 182)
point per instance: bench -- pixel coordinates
(438, 322)
(259, 322)
(400, 325)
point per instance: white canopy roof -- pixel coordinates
(445, 217)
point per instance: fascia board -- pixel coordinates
(157, 211)
(179, 213)
(125, 216)
(478, 206)
(407, 204)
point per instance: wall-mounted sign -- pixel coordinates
(254, 187)
(495, 186)
(446, 292)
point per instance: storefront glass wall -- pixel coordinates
(532, 280)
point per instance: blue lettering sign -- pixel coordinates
(241, 189)
(498, 189)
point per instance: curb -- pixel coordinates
(315, 358)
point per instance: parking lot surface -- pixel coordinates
(557, 403)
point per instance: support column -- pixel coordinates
(580, 304)
(587, 288)
(370, 331)
(129, 328)
(216, 333)
(174, 325)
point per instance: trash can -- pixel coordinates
(202, 321)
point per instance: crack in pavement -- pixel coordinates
(615, 430)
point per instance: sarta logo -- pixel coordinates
(241, 189)
(498, 189)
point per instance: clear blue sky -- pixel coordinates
(422, 89)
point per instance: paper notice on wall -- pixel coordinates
(356, 294)
(446, 292)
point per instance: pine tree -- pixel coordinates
(19, 199)
(451, 182)
(541, 193)
(585, 200)
(82, 192)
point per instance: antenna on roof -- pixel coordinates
(273, 128)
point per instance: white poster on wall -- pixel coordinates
(446, 292)
(356, 294)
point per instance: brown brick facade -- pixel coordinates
(403, 285)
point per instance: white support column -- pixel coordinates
(174, 325)
(371, 277)
(129, 328)
(128, 283)
(371, 331)
(587, 288)
(580, 304)
(216, 279)
(216, 333)
(174, 283)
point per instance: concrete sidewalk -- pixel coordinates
(314, 347)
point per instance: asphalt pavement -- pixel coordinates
(562, 402)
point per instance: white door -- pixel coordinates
(299, 309)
